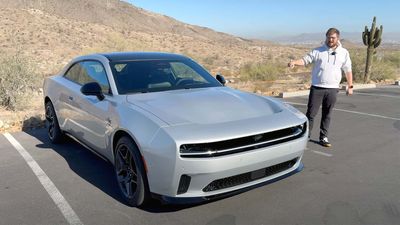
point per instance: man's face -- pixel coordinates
(332, 40)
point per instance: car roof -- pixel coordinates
(127, 56)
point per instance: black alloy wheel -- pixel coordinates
(53, 129)
(130, 173)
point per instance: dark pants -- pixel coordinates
(326, 97)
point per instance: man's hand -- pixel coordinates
(349, 87)
(291, 64)
(349, 91)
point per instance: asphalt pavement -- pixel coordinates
(356, 181)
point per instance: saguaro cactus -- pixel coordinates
(372, 39)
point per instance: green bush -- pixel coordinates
(18, 79)
(261, 71)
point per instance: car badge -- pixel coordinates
(256, 138)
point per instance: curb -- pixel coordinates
(293, 94)
(306, 92)
(360, 86)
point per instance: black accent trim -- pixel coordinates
(248, 143)
(197, 200)
(243, 178)
(184, 183)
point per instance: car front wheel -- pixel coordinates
(130, 173)
(53, 129)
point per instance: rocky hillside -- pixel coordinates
(51, 32)
(117, 14)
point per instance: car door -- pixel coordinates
(68, 92)
(90, 118)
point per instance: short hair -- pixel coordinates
(332, 31)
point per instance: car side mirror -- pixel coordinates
(221, 79)
(92, 88)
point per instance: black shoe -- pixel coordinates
(324, 142)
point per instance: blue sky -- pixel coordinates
(266, 19)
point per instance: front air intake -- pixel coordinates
(184, 183)
(232, 181)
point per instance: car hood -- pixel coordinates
(204, 105)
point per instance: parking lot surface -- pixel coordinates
(356, 181)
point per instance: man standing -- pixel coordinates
(329, 62)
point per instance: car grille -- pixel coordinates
(250, 176)
(242, 144)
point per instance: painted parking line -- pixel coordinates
(318, 152)
(322, 153)
(354, 112)
(377, 95)
(48, 185)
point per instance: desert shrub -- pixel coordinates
(383, 65)
(210, 60)
(115, 42)
(225, 72)
(393, 58)
(358, 65)
(18, 78)
(382, 70)
(261, 71)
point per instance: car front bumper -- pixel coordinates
(197, 200)
(204, 172)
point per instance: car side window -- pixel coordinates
(89, 71)
(73, 73)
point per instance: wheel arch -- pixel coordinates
(121, 133)
(46, 100)
(117, 135)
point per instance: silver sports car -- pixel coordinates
(170, 129)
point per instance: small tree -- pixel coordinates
(372, 39)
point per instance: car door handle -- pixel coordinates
(70, 98)
(108, 122)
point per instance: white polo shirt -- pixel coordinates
(328, 65)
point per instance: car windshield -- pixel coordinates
(159, 75)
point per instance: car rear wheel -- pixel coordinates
(130, 173)
(53, 129)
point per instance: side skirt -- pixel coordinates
(87, 147)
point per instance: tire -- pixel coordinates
(53, 128)
(130, 173)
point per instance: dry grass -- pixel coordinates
(50, 37)
(49, 41)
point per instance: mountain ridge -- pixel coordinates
(389, 38)
(117, 14)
